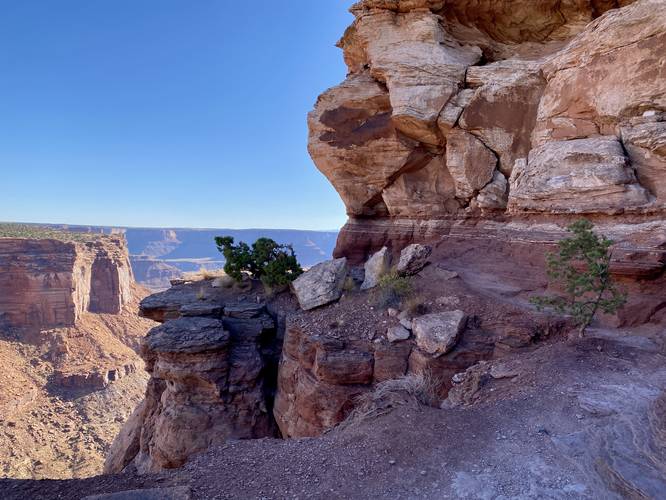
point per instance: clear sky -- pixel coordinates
(181, 113)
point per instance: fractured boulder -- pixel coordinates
(321, 284)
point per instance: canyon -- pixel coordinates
(464, 140)
(68, 334)
(159, 255)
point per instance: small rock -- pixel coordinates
(392, 312)
(501, 370)
(397, 333)
(449, 301)
(405, 319)
(413, 259)
(438, 333)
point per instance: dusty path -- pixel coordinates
(582, 419)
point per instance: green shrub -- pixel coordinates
(581, 269)
(274, 264)
(392, 290)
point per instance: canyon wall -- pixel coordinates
(49, 283)
(466, 111)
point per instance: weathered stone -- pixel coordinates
(413, 259)
(646, 146)
(343, 367)
(244, 310)
(449, 116)
(321, 284)
(503, 110)
(421, 66)
(610, 71)
(210, 380)
(425, 192)
(48, 283)
(376, 267)
(354, 143)
(397, 333)
(391, 360)
(495, 195)
(438, 333)
(470, 163)
(577, 176)
(188, 335)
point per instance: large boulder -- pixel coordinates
(376, 267)
(413, 259)
(321, 284)
(438, 333)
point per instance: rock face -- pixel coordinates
(493, 109)
(321, 285)
(48, 283)
(579, 175)
(212, 367)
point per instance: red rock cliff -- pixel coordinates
(47, 283)
(470, 110)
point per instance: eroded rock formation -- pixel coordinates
(49, 283)
(463, 110)
(213, 368)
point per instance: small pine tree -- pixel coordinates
(581, 268)
(274, 264)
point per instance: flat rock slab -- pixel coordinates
(201, 309)
(175, 493)
(244, 310)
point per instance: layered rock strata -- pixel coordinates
(48, 283)
(495, 110)
(213, 365)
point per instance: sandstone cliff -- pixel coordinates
(457, 112)
(48, 283)
(68, 334)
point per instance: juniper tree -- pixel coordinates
(274, 264)
(581, 271)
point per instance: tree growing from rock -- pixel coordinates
(274, 264)
(581, 270)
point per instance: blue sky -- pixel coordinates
(173, 113)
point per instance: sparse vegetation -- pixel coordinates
(274, 264)
(414, 389)
(30, 231)
(392, 290)
(581, 269)
(349, 284)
